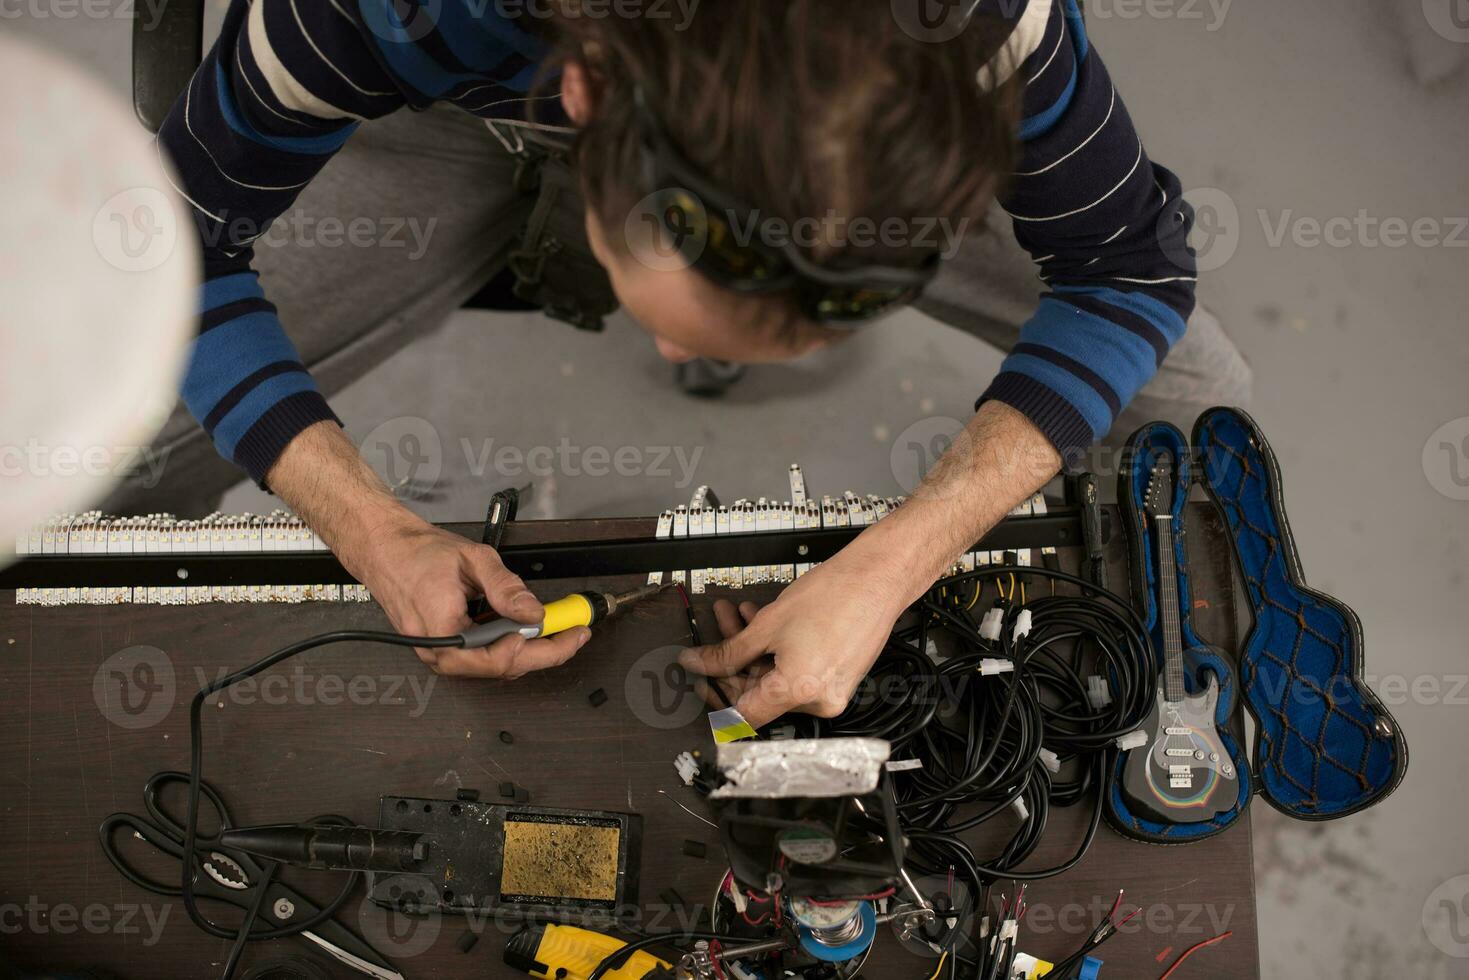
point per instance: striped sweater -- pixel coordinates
(288, 81)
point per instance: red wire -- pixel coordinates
(860, 898)
(714, 949)
(1193, 949)
(1115, 906)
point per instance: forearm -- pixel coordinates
(327, 482)
(1000, 460)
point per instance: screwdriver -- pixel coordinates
(577, 609)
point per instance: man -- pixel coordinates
(792, 109)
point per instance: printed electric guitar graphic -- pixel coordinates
(1184, 774)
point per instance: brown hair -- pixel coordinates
(801, 108)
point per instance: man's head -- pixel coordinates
(822, 115)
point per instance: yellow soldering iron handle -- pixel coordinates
(568, 613)
(578, 609)
(567, 953)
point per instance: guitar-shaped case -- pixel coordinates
(1324, 746)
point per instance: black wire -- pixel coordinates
(984, 741)
(246, 929)
(616, 959)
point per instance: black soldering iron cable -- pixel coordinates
(196, 765)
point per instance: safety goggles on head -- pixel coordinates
(734, 246)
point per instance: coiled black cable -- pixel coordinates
(988, 744)
(246, 931)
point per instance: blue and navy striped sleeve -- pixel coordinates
(284, 87)
(1108, 229)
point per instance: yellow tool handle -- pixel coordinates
(568, 613)
(579, 951)
(574, 610)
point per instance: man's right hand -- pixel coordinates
(423, 577)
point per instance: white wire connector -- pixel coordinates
(1050, 760)
(989, 627)
(1021, 810)
(1098, 693)
(1028, 966)
(1132, 740)
(990, 667)
(687, 766)
(1022, 625)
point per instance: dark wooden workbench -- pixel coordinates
(362, 729)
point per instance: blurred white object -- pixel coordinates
(99, 276)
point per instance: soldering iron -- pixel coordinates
(577, 609)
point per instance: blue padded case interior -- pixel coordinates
(1325, 746)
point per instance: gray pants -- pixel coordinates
(442, 216)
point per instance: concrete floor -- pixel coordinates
(1307, 110)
